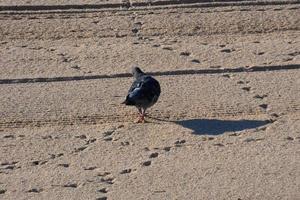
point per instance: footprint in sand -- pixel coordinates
(92, 140)
(264, 106)
(253, 139)
(146, 163)
(35, 190)
(2, 191)
(81, 136)
(75, 67)
(246, 88)
(153, 155)
(179, 143)
(126, 143)
(260, 96)
(70, 185)
(215, 67)
(63, 165)
(289, 138)
(259, 53)
(126, 171)
(103, 190)
(108, 180)
(108, 133)
(80, 149)
(168, 48)
(103, 174)
(227, 50)
(219, 144)
(167, 148)
(195, 61)
(90, 168)
(185, 53)
(101, 198)
(9, 136)
(108, 139)
(9, 165)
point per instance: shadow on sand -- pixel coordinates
(217, 127)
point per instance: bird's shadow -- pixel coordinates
(218, 127)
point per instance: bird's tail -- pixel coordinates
(128, 102)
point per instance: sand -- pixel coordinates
(225, 127)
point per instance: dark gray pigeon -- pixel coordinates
(143, 93)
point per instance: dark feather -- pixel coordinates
(144, 91)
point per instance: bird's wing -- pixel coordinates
(143, 90)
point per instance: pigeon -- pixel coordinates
(143, 93)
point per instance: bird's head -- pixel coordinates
(136, 72)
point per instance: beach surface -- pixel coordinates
(226, 126)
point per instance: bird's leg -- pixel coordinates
(140, 111)
(143, 115)
(141, 118)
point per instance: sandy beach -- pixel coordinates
(226, 126)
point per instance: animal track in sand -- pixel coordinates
(260, 96)
(219, 144)
(168, 48)
(146, 163)
(253, 139)
(92, 140)
(156, 45)
(81, 137)
(103, 174)
(126, 171)
(108, 180)
(289, 138)
(195, 61)
(259, 53)
(9, 165)
(80, 149)
(179, 143)
(63, 165)
(167, 148)
(71, 185)
(2, 191)
(264, 106)
(185, 53)
(90, 168)
(108, 139)
(103, 190)
(126, 143)
(246, 88)
(35, 190)
(153, 155)
(75, 67)
(296, 53)
(101, 198)
(108, 133)
(9, 136)
(227, 50)
(215, 67)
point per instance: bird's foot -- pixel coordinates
(141, 119)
